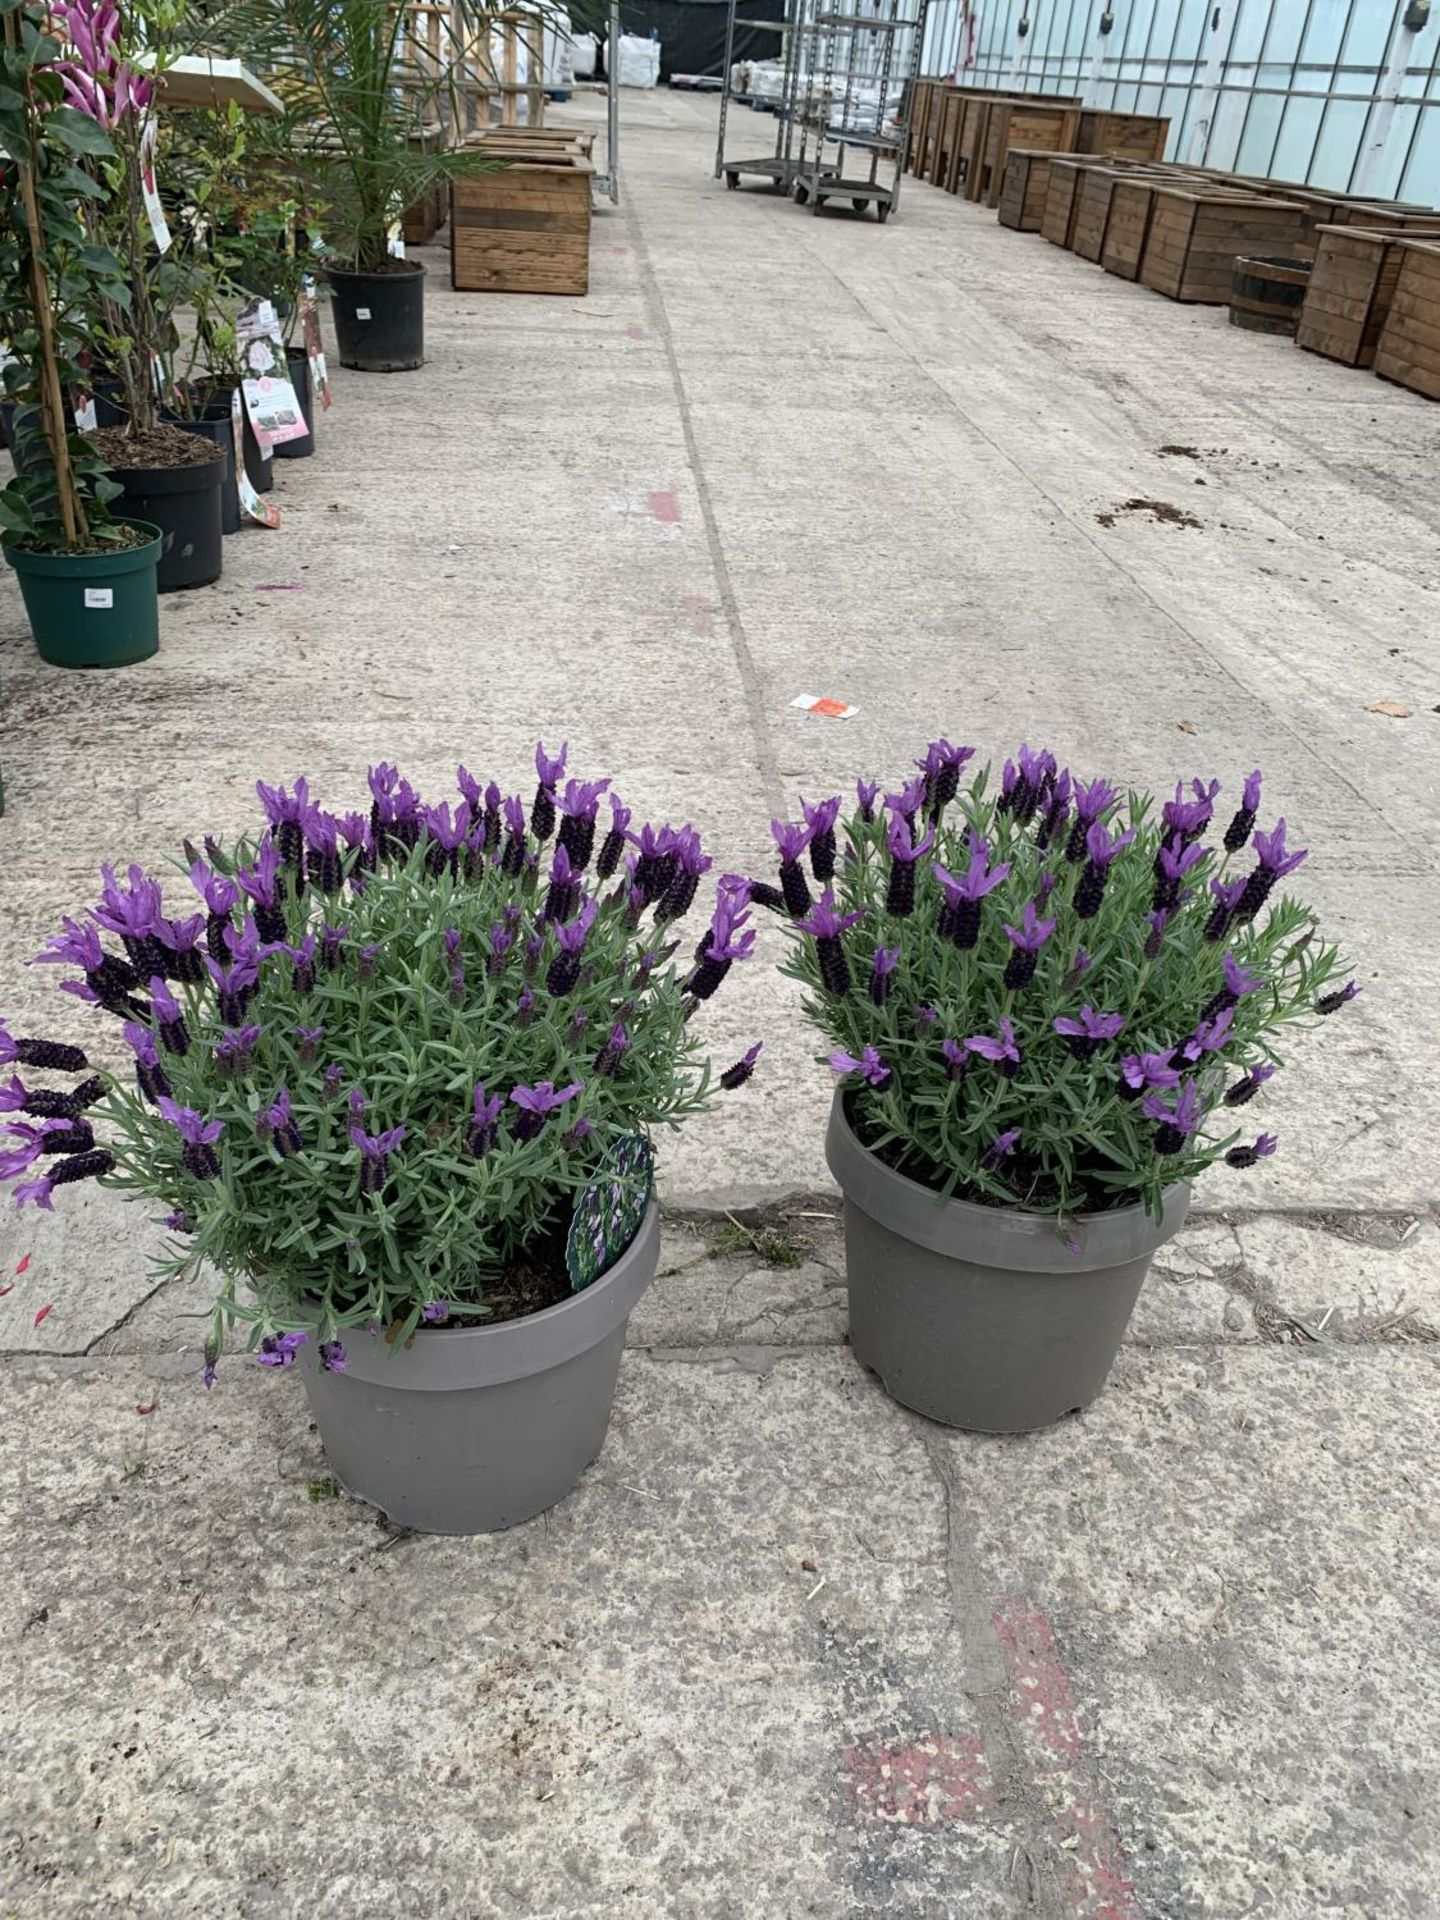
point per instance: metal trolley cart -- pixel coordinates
(777, 167)
(860, 69)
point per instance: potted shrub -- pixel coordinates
(171, 478)
(368, 104)
(1049, 1008)
(394, 1074)
(88, 580)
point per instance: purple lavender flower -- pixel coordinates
(445, 835)
(322, 864)
(1275, 862)
(999, 1149)
(330, 1082)
(866, 792)
(881, 967)
(525, 1008)
(512, 860)
(964, 897)
(435, 1313)
(34, 1193)
(1187, 819)
(1264, 1146)
(150, 1076)
(907, 803)
(726, 943)
(1022, 786)
(579, 806)
(1236, 984)
(570, 939)
(1211, 1035)
(564, 888)
(941, 768)
(537, 1103)
(1027, 939)
(179, 1222)
(135, 915)
(613, 845)
(1086, 1031)
(575, 1137)
(743, 1068)
(1157, 923)
(484, 1127)
(655, 863)
(1227, 897)
(332, 1356)
(234, 1055)
(905, 850)
(1102, 849)
(108, 980)
(286, 813)
(173, 1032)
(870, 1067)
(199, 1136)
(1142, 1071)
(1333, 1002)
(302, 959)
(179, 941)
(1238, 831)
(1177, 1123)
(1057, 809)
(279, 1126)
(262, 882)
(1092, 803)
(365, 963)
(1004, 1052)
(790, 842)
(549, 772)
(612, 1053)
(957, 1058)
(820, 827)
(280, 1349)
(1245, 1090)
(691, 861)
(375, 1151)
(1173, 862)
(826, 927)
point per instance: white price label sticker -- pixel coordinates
(362, 313)
(99, 596)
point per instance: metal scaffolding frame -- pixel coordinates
(851, 63)
(778, 167)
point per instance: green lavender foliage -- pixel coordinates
(1082, 1145)
(297, 1244)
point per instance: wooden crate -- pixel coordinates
(1408, 350)
(1351, 286)
(1132, 201)
(1133, 136)
(1026, 188)
(1196, 236)
(1062, 195)
(1092, 211)
(945, 116)
(524, 228)
(1384, 217)
(1032, 125)
(970, 145)
(925, 96)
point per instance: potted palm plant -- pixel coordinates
(1049, 1009)
(88, 580)
(394, 1078)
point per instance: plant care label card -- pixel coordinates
(149, 192)
(608, 1211)
(99, 597)
(314, 345)
(271, 402)
(263, 512)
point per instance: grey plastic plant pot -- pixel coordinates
(475, 1429)
(981, 1317)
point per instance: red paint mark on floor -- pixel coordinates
(1096, 1884)
(635, 333)
(664, 507)
(927, 1782)
(701, 614)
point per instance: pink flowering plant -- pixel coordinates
(1051, 995)
(373, 1057)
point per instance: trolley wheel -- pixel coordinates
(882, 212)
(732, 181)
(861, 206)
(802, 194)
(817, 204)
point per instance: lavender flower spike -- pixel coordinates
(484, 1127)
(1264, 1146)
(825, 926)
(280, 1125)
(964, 896)
(375, 1151)
(998, 1149)
(869, 1066)
(1275, 862)
(1004, 1052)
(1027, 939)
(199, 1136)
(537, 1103)
(881, 967)
(905, 851)
(1174, 1124)
(790, 842)
(743, 1068)
(1238, 831)
(820, 825)
(1086, 1033)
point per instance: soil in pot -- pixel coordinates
(174, 480)
(475, 1427)
(299, 367)
(379, 316)
(987, 1318)
(96, 608)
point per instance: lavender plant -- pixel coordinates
(1048, 996)
(375, 1056)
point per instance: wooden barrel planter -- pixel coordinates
(1268, 294)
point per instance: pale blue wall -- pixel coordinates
(1298, 79)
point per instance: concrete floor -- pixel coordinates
(788, 1650)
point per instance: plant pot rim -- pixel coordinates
(194, 477)
(113, 560)
(441, 1358)
(414, 269)
(998, 1236)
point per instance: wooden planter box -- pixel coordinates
(1132, 202)
(1025, 190)
(1030, 125)
(1195, 238)
(1408, 350)
(925, 94)
(525, 228)
(1352, 284)
(945, 115)
(1132, 136)
(1092, 210)
(1062, 195)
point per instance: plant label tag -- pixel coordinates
(822, 704)
(314, 345)
(270, 400)
(86, 419)
(99, 596)
(263, 512)
(149, 192)
(362, 313)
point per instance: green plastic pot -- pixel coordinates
(92, 609)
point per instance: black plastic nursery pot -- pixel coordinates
(379, 319)
(184, 503)
(473, 1429)
(299, 365)
(91, 609)
(986, 1317)
(214, 424)
(259, 471)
